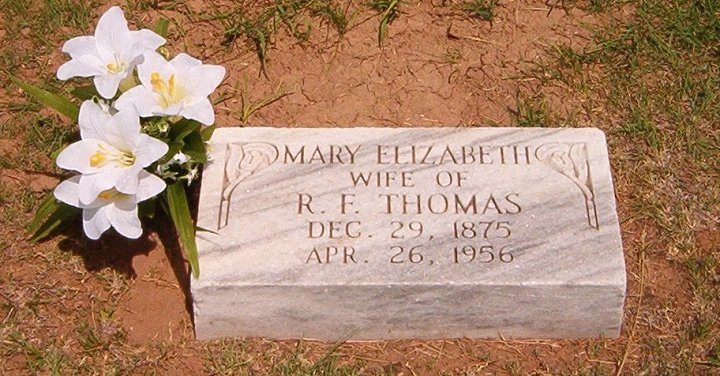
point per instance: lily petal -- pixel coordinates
(95, 222)
(80, 46)
(123, 130)
(149, 150)
(126, 222)
(147, 39)
(92, 185)
(183, 62)
(127, 181)
(77, 155)
(201, 111)
(107, 84)
(112, 31)
(84, 66)
(173, 110)
(212, 76)
(150, 186)
(92, 120)
(138, 98)
(68, 190)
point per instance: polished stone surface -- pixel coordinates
(380, 233)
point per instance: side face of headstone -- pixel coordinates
(370, 234)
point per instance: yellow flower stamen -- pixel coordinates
(97, 158)
(106, 195)
(157, 82)
(110, 194)
(127, 159)
(170, 93)
(171, 84)
(103, 156)
(116, 66)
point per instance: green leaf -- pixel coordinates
(180, 130)
(387, 16)
(55, 153)
(381, 31)
(179, 211)
(195, 147)
(173, 148)
(161, 27)
(84, 93)
(46, 98)
(203, 229)
(47, 206)
(60, 214)
(207, 133)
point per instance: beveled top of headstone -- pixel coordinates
(408, 206)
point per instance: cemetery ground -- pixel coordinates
(647, 72)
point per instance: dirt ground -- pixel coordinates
(114, 304)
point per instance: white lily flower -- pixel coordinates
(110, 55)
(111, 208)
(112, 153)
(179, 87)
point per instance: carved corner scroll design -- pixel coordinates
(241, 161)
(571, 160)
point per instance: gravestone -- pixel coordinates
(377, 233)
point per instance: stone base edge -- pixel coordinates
(370, 313)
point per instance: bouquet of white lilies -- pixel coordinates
(141, 142)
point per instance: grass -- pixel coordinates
(296, 364)
(53, 14)
(452, 56)
(43, 136)
(531, 111)
(249, 106)
(388, 10)
(658, 77)
(237, 357)
(145, 5)
(335, 14)
(296, 18)
(227, 357)
(35, 18)
(482, 9)
(256, 31)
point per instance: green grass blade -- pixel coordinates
(203, 229)
(381, 31)
(59, 215)
(161, 27)
(389, 12)
(60, 104)
(48, 205)
(179, 211)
